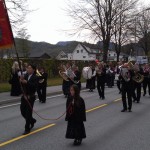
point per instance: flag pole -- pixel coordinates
(14, 42)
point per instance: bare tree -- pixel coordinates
(121, 34)
(99, 18)
(17, 10)
(140, 28)
(22, 45)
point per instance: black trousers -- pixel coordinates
(27, 111)
(66, 87)
(127, 92)
(101, 89)
(42, 93)
(119, 85)
(137, 92)
(146, 83)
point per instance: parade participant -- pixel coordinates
(91, 82)
(76, 115)
(137, 85)
(117, 70)
(127, 86)
(66, 83)
(101, 80)
(29, 83)
(146, 82)
(77, 78)
(110, 76)
(42, 85)
(14, 80)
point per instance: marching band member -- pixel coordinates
(101, 80)
(14, 80)
(75, 116)
(77, 77)
(146, 82)
(117, 70)
(66, 84)
(29, 83)
(127, 84)
(42, 85)
(137, 86)
(110, 73)
(91, 82)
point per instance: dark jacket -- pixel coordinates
(44, 76)
(31, 87)
(130, 82)
(75, 112)
(102, 78)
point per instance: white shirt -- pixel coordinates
(29, 77)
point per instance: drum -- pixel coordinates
(87, 73)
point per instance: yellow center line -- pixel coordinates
(95, 108)
(49, 126)
(24, 136)
(117, 100)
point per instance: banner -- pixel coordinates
(6, 35)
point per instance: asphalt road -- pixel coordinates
(107, 128)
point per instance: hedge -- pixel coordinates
(50, 65)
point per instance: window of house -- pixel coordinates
(82, 51)
(77, 51)
(84, 56)
(109, 55)
(114, 54)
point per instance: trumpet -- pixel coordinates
(38, 74)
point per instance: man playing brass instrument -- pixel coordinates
(127, 85)
(136, 84)
(146, 82)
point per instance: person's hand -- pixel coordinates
(23, 81)
(21, 77)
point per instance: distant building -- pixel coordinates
(112, 56)
(81, 52)
(62, 56)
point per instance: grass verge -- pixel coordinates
(5, 87)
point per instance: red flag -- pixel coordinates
(6, 35)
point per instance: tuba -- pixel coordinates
(67, 75)
(137, 77)
(38, 74)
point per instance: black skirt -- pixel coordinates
(75, 130)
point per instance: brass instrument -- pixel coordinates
(68, 74)
(138, 77)
(38, 74)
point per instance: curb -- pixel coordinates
(14, 100)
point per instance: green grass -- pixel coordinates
(5, 87)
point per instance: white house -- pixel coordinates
(81, 52)
(84, 53)
(112, 56)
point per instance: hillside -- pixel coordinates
(52, 50)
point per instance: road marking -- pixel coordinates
(16, 104)
(24, 136)
(7, 106)
(95, 108)
(117, 100)
(49, 126)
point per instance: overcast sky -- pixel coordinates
(49, 21)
